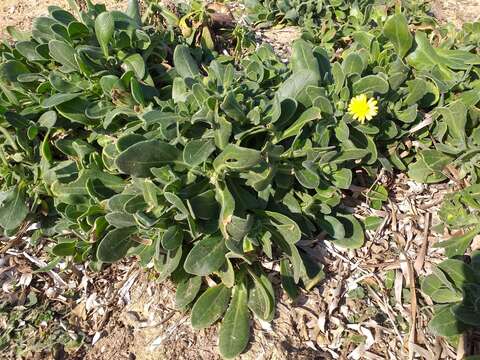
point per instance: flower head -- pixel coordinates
(362, 108)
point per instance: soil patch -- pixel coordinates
(20, 13)
(456, 11)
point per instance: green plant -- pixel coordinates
(196, 25)
(459, 211)
(124, 141)
(117, 153)
(454, 285)
(59, 83)
(333, 24)
(210, 26)
(455, 288)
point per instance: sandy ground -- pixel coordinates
(457, 11)
(21, 12)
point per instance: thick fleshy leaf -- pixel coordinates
(75, 192)
(293, 87)
(11, 70)
(16, 34)
(13, 208)
(342, 178)
(353, 64)
(286, 227)
(426, 57)
(177, 203)
(237, 229)
(417, 88)
(235, 157)
(115, 245)
(332, 226)
(235, 328)
(288, 283)
(429, 166)
(396, 30)
(29, 50)
(62, 16)
(260, 300)
(458, 271)
(207, 256)
(48, 119)
(232, 108)
(104, 28)
(370, 84)
(373, 222)
(204, 206)
(187, 291)
(435, 288)
(227, 274)
(74, 110)
(64, 249)
(61, 84)
(445, 323)
(42, 28)
(166, 263)
(227, 206)
(120, 219)
(77, 30)
(210, 306)
(172, 238)
(184, 62)
(308, 116)
(133, 10)
(58, 99)
(139, 158)
(467, 314)
(354, 236)
(197, 151)
(457, 245)
(136, 64)
(303, 58)
(64, 54)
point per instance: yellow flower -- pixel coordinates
(362, 108)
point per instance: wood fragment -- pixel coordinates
(413, 311)
(420, 260)
(462, 343)
(41, 264)
(17, 240)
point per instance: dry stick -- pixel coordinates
(413, 310)
(420, 261)
(382, 226)
(462, 343)
(387, 265)
(380, 174)
(430, 204)
(425, 122)
(438, 348)
(394, 223)
(17, 239)
(424, 353)
(41, 264)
